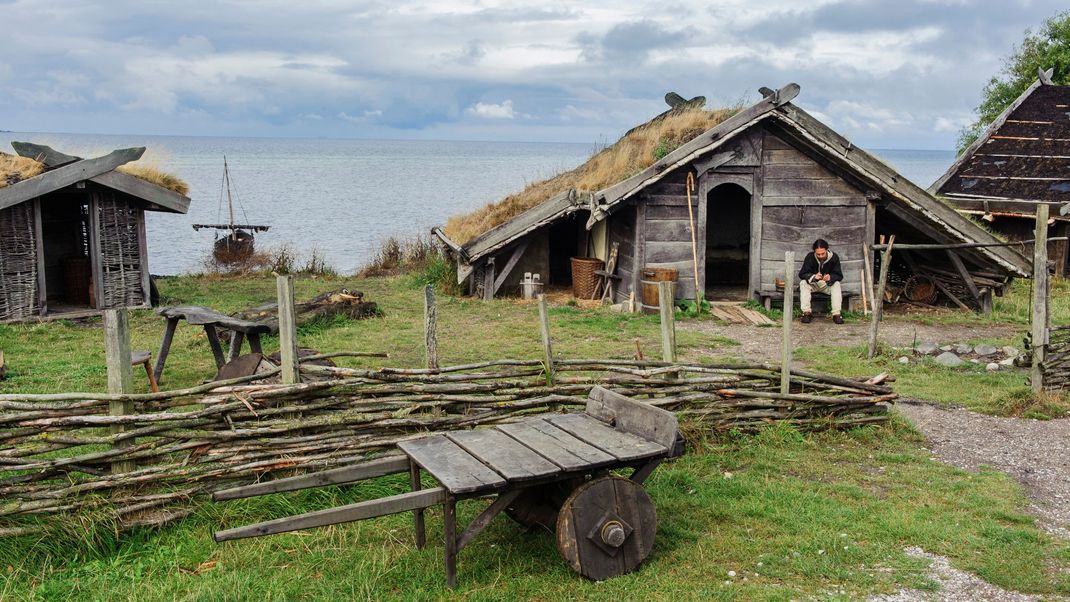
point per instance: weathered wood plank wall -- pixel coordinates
(801, 202)
(668, 230)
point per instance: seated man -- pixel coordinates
(820, 273)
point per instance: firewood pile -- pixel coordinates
(343, 302)
(930, 285)
(59, 451)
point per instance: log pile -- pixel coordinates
(56, 450)
(343, 302)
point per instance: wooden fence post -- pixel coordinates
(120, 376)
(1039, 332)
(666, 296)
(291, 371)
(878, 298)
(430, 328)
(789, 306)
(547, 347)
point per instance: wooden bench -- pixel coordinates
(210, 319)
(550, 470)
(850, 298)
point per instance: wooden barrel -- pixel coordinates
(648, 283)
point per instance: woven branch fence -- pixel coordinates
(56, 450)
(1055, 367)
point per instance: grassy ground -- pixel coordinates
(793, 516)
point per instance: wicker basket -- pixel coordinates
(920, 289)
(584, 279)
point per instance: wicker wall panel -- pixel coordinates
(18, 263)
(120, 257)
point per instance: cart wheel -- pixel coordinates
(606, 527)
(538, 506)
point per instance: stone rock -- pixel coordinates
(1010, 351)
(974, 360)
(992, 367)
(963, 348)
(984, 350)
(927, 348)
(946, 348)
(904, 360)
(949, 360)
(1007, 361)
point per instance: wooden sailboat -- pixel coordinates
(238, 244)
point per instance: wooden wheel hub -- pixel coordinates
(611, 533)
(606, 527)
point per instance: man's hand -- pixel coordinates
(826, 277)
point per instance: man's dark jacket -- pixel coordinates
(830, 266)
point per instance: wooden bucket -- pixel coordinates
(584, 279)
(648, 283)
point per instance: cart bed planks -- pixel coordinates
(605, 527)
(455, 468)
(556, 445)
(504, 455)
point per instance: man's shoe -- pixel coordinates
(807, 317)
(837, 319)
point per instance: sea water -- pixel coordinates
(342, 197)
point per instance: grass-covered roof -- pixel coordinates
(14, 168)
(635, 151)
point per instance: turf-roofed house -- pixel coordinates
(767, 179)
(72, 231)
(1019, 162)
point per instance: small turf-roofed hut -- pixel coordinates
(1021, 161)
(769, 178)
(72, 232)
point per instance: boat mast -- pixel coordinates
(230, 201)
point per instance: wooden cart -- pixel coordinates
(550, 471)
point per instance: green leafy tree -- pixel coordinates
(1049, 48)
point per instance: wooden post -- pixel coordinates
(547, 347)
(668, 321)
(417, 514)
(120, 376)
(789, 306)
(1040, 299)
(878, 297)
(430, 328)
(291, 372)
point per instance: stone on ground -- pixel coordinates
(927, 348)
(963, 348)
(904, 360)
(983, 350)
(992, 366)
(1010, 351)
(949, 360)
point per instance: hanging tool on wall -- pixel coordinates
(694, 241)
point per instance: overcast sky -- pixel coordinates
(887, 74)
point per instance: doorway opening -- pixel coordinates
(68, 270)
(728, 243)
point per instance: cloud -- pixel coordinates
(885, 74)
(492, 111)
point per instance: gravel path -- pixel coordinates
(1036, 453)
(955, 586)
(763, 343)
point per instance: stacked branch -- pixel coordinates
(1056, 364)
(56, 450)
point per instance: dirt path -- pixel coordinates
(763, 343)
